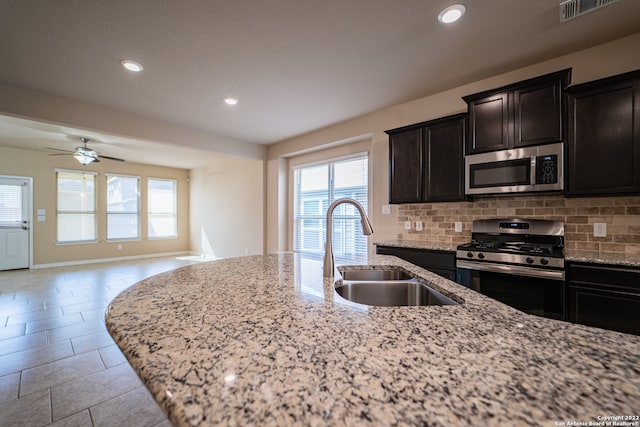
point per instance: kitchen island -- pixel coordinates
(265, 340)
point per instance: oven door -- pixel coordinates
(531, 290)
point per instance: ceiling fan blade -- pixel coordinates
(60, 154)
(58, 149)
(111, 158)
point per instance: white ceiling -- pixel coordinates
(295, 65)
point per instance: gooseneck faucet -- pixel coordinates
(366, 230)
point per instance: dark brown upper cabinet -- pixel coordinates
(406, 165)
(426, 162)
(531, 112)
(604, 136)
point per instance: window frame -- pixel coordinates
(137, 212)
(60, 212)
(150, 214)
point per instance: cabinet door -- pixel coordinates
(605, 296)
(538, 114)
(406, 166)
(442, 263)
(444, 160)
(604, 140)
(614, 310)
(489, 124)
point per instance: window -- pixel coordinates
(10, 205)
(123, 207)
(76, 212)
(162, 208)
(315, 188)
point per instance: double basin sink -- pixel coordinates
(387, 287)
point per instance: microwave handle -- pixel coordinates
(532, 180)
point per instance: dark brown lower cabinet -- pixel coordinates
(443, 263)
(604, 296)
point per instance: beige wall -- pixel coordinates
(608, 59)
(41, 167)
(227, 208)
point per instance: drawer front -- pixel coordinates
(623, 279)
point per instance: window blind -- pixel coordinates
(76, 211)
(123, 207)
(162, 208)
(315, 188)
(10, 205)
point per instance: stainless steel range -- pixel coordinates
(516, 261)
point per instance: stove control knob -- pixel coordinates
(529, 260)
(480, 255)
(469, 254)
(544, 261)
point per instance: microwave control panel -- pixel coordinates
(547, 169)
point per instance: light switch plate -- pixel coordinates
(458, 227)
(386, 209)
(418, 225)
(407, 225)
(599, 229)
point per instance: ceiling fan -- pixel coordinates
(84, 154)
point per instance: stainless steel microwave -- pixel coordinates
(521, 170)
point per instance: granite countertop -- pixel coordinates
(602, 257)
(573, 255)
(266, 341)
(418, 244)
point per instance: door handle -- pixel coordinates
(25, 225)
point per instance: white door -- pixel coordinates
(14, 223)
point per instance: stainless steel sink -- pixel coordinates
(391, 293)
(374, 275)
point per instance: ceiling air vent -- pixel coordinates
(570, 9)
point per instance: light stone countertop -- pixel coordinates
(266, 341)
(601, 257)
(418, 244)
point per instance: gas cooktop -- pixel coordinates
(516, 241)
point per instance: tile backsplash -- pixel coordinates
(620, 214)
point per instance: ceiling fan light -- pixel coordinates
(84, 158)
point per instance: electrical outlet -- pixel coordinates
(458, 227)
(418, 225)
(600, 229)
(386, 209)
(407, 225)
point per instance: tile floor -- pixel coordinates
(58, 364)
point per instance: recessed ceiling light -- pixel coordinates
(132, 65)
(451, 14)
(231, 101)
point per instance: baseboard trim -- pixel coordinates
(115, 259)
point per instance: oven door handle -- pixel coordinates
(514, 270)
